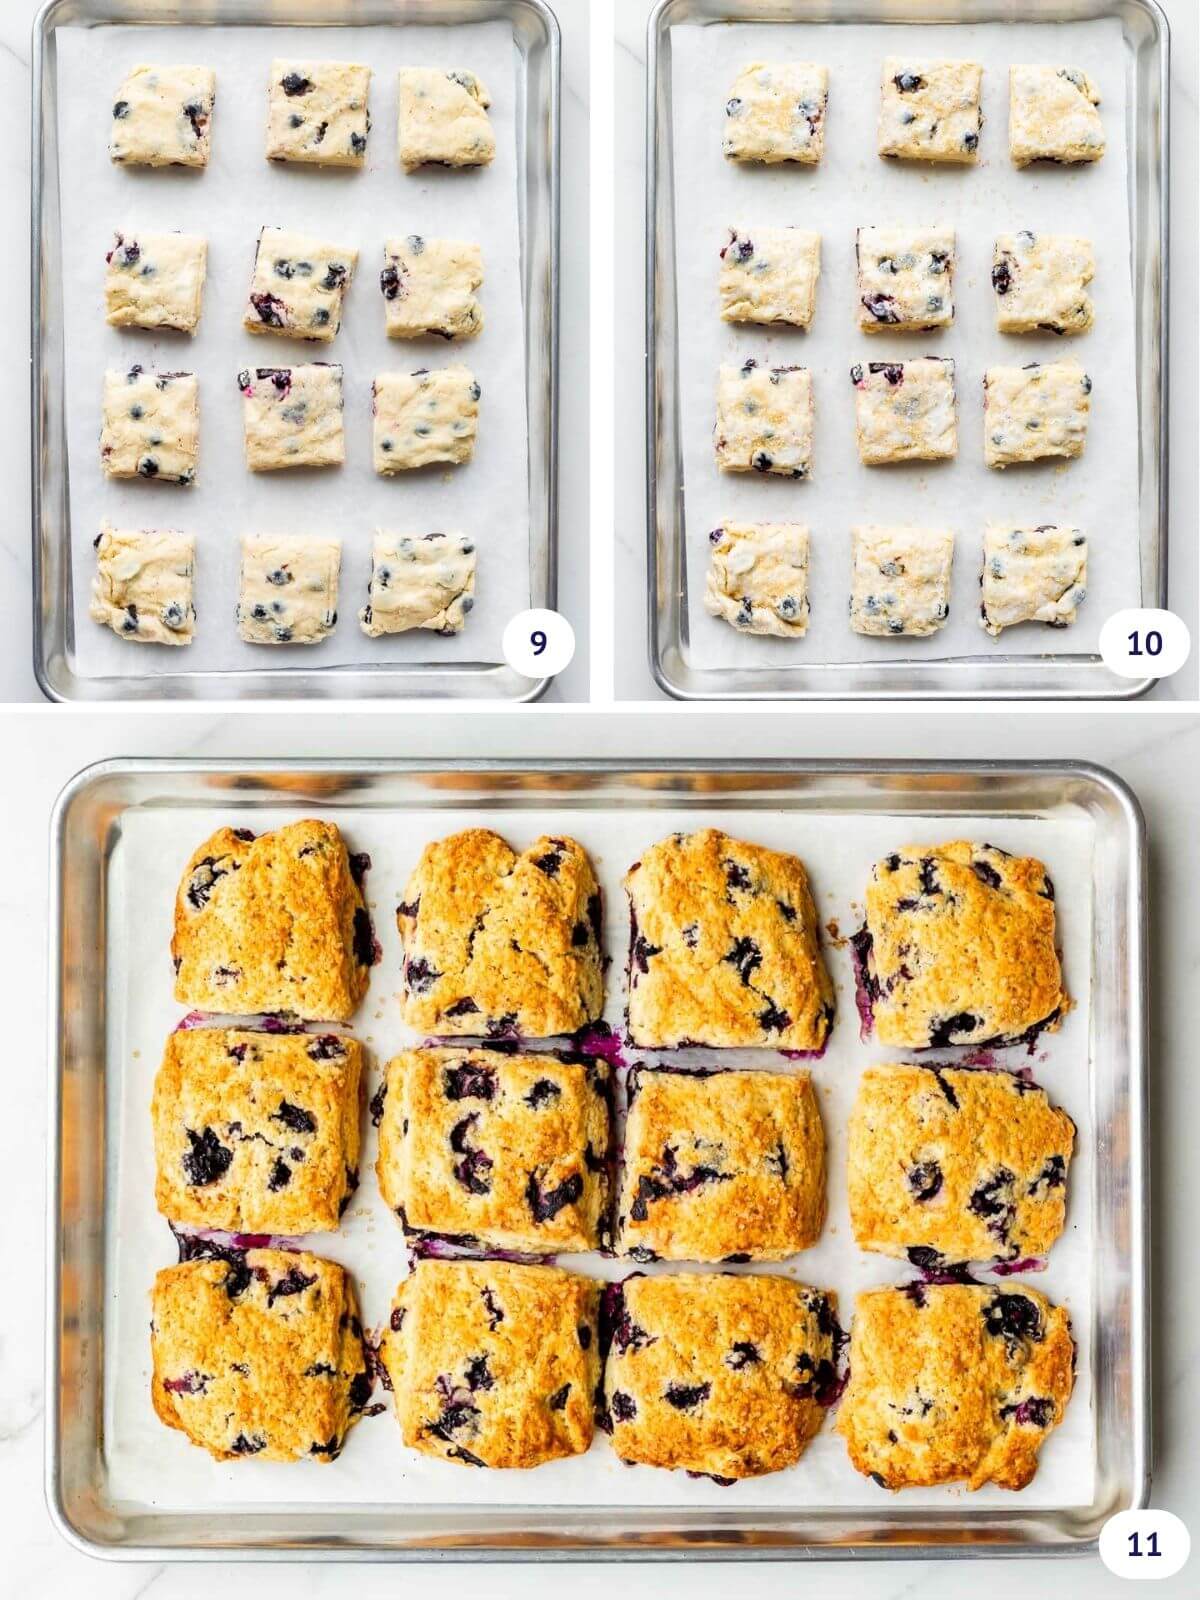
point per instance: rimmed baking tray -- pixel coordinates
(536, 43)
(999, 674)
(102, 810)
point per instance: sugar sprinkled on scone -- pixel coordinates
(1031, 574)
(770, 275)
(900, 584)
(905, 279)
(905, 410)
(443, 119)
(1036, 411)
(298, 286)
(930, 110)
(150, 425)
(764, 419)
(776, 112)
(758, 577)
(1053, 116)
(1040, 280)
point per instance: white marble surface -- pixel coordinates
(1158, 752)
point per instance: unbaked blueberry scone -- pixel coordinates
(292, 416)
(764, 419)
(758, 577)
(289, 589)
(162, 117)
(317, 112)
(776, 112)
(904, 410)
(424, 417)
(429, 287)
(298, 286)
(900, 580)
(419, 580)
(905, 279)
(1035, 411)
(150, 425)
(930, 110)
(142, 589)
(1031, 574)
(1041, 282)
(1052, 115)
(770, 275)
(443, 119)
(155, 280)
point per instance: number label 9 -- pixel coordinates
(538, 643)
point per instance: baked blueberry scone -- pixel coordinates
(289, 590)
(770, 275)
(930, 110)
(1041, 282)
(1035, 411)
(142, 589)
(1052, 116)
(510, 1150)
(758, 577)
(429, 287)
(776, 112)
(493, 1364)
(443, 120)
(1031, 575)
(905, 279)
(317, 112)
(424, 417)
(419, 580)
(953, 1382)
(274, 923)
(150, 425)
(764, 419)
(258, 1353)
(292, 416)
(904, 410)
(721, 1165)
(901, 580)
(724, 1375)
(298, 286)
(497, 943)
(155, 280)
(724, 947)
(162, 117)
(959, 948)
(956, 1164)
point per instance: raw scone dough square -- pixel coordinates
(930, 110)
(424, 417)
(317, 112)
(1031, 574)
(155, 280)
(293, 416)
(429, 287)
(1052, 116)
(298, 286)
(289, 590)
(143, 584)
(150, 427)
(1041, 282)
(162, 117)
(443, 119)
(419, 580)
(770, 275)
(764, 420)
(905, 279)
(758, 577)
(901, 580)
(904, 411)
(776, 112)
(1035, 411)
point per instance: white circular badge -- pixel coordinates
(1144, 1544)
(1144, 643)
(538, 644)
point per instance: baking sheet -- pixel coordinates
(149, 1465)
(229, 202)
(852, 187)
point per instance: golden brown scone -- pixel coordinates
(719, 1165)
(275, 923)
(954, 1381)
(511, 1150)
(718, 1373)
(956, 1165)
(724, 947)
(256, 1132)
(492, 1364)
(499, 944)
(259, 1353)
(959, 947)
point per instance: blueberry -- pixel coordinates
(389, 281)
(732, 107)
(925, 1180)
(986, 873)
(1035, 1412)
(542, 1092)
(281, 1176)
(294, 1117)
(335, 276)
(772, 1019)
(129, 622)
(478, 1374)
(269, 309)
(469, 1081)
(292, 1283)
(207, 1160)
(121, 109)
(474, 391)
(1002, 276)
(558, 1399)
(358, 143)
(546, 1204)
(908, 82)
(243, 1446)
(396, 1321)
(1053, 1175)
(1015, 1316)
(495, 1310)
(642, 952)
(584, 1334)
(473, 1171)
(420, 977)
(945, 1031)
(746, 957)
(147, 467)
(294, 83)
(549, 863)
(882, 307)
(198, 118)
(465, 1007)
(624, 1407)
(686, 1397)
(892, 371)
(743, 1354)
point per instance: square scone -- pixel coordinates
(258, 1353)
(770, 275)
(162, 117)
(959, 948)
(275, 923)
(1035, 412)
(419, 580)
(724, 947)
(511, 1151)
(1031, 574)
(289, 590)
(758, 577)
(764, 419)
(493, 1364)
(954, 1382)
(1041, 282)
(150, 425)
(498, 944)
(298, 286)
(930, 110)
(443, 120)
(905, 279)
(1053, 115)
(256, 1132)
(723, 1375)
(900, 583)
(905, 411)
(776, 112)
(142, 589)
(429, 288)
(950, 1165)
(720, 1166)
(155, 280)
(424, 417)
(293, 416)
(317, 112)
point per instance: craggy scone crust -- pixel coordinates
(718, 1374)
(275, 923)
(497, 943)
(510, 1150)
(259, 1353)
(969, 1164)
(961, 947)
(724, 947)
(494, 1365)
(256, 1132)
(954, 1381)
(719, 1165)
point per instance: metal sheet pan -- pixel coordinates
(87, 828)
(1002, 674)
